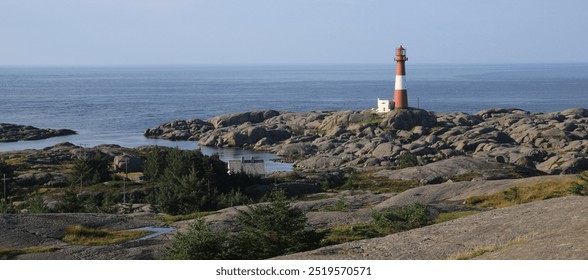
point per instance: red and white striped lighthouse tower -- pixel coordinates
(400, 96)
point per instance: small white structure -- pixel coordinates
(384, 105)
(253, 166)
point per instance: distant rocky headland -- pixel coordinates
(544, 143)
(14, 132)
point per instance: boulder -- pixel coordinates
(443, 170)
(128, 162)
(500, 112)
(383, 150)
(406, 119)
(575, 113)
(33, 179)
(241, 118)
(296, 150)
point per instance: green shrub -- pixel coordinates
(275, 228)
(402, 218)
(267, 230)
(36, 204)
(580, 188)
(91, 170)
(200, 242)
(407, 160)
(5, 169)
(70, 203)
(6, 206)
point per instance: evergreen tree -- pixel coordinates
(36, 204)
(155, 164)
(198, 243)
(268, 230)
(91, 170)
(275, 228)
(70, 203)
(5, 169)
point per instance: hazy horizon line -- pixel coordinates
(273, 64)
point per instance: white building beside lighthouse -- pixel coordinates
(384, 105)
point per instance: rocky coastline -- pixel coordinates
(545, 143)
(14, 132)
(347, 164)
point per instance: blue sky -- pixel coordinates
(110, 32)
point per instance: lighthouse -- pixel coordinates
(400, 96)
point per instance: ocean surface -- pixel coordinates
(115, 105)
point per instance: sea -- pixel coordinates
(116, 104)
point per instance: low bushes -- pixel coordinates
(581, 187)
(268, 230)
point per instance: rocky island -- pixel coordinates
(13, 132)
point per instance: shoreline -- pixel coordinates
(334, 140)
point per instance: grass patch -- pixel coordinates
(88, 236)
(373, 119)
(524, 194)
(486, 249)
(348, 233)
(168, 219)
(477, 252)
(465, 177)
(10, 253)
(444, 217)
(340, 205)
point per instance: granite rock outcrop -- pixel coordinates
(551, 143)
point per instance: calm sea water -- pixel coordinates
(116, 104)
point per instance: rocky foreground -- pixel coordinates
(549, 143)
(548, 229)
(14, 133)
(457, 157)
(551, 229)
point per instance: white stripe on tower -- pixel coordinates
(400, 82)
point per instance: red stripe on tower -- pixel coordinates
(400, 96)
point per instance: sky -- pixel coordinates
(187, 32)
